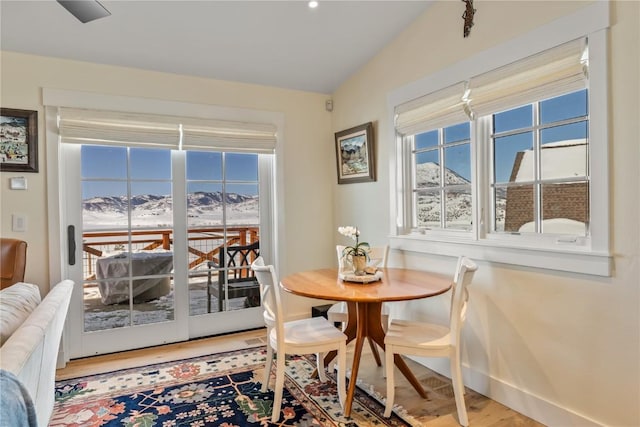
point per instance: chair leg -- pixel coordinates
(388, 363)
(209, 294)
(267, 369)
(458, 388)
(374, 351)
(342, 373)
(320, 367)
(277, 390)
(385, 326)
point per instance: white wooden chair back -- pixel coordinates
(271, 299)
(465, 270)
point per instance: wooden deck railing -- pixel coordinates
(204, 244)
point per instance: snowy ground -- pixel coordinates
(101, 213)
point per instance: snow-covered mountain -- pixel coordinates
(206, 208)
(153, 201)
(150, 210)
(352, 145)
(458, 204)
(428, 175)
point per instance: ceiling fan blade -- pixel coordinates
(85, 10)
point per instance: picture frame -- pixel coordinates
(18, 140)
(355, 154)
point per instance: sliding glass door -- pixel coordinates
(163, 242)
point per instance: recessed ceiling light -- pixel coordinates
(313, 4)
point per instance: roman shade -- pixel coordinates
(82, 126)
(442, 108)
(203, 134)
(545, 75)
(86, 126)
(550, 73)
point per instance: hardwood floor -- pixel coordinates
(438, 410)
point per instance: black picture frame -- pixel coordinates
(18, 140)
(355, 154)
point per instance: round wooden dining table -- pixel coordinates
(364, 302)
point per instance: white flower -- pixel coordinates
(349, 231)
(360, 248)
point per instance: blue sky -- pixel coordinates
(105, 168)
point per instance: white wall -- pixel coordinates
(307, 154)
(561, 348)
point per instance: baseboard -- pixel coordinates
(510, 395)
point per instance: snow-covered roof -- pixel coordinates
(556, 226)
(562, 159)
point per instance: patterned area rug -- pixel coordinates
(216, 390)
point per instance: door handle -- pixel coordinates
(71, 244)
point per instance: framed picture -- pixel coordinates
(18, 140)
(355, 154)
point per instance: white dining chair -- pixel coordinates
(304, 336)
(433, 340)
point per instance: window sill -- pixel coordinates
(572, 260)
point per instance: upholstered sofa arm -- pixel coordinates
(31, 352)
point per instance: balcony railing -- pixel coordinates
(204, 244)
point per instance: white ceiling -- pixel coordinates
(276, 43)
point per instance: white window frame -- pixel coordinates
(443, 187)
(589, 255)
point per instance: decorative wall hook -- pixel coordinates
(469, 11)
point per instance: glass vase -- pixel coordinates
(359, 264)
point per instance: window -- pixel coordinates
(539, 164)
(539, 181)
(500, 164)
(442, 178)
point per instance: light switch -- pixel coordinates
(18, 222)
(18, 183)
